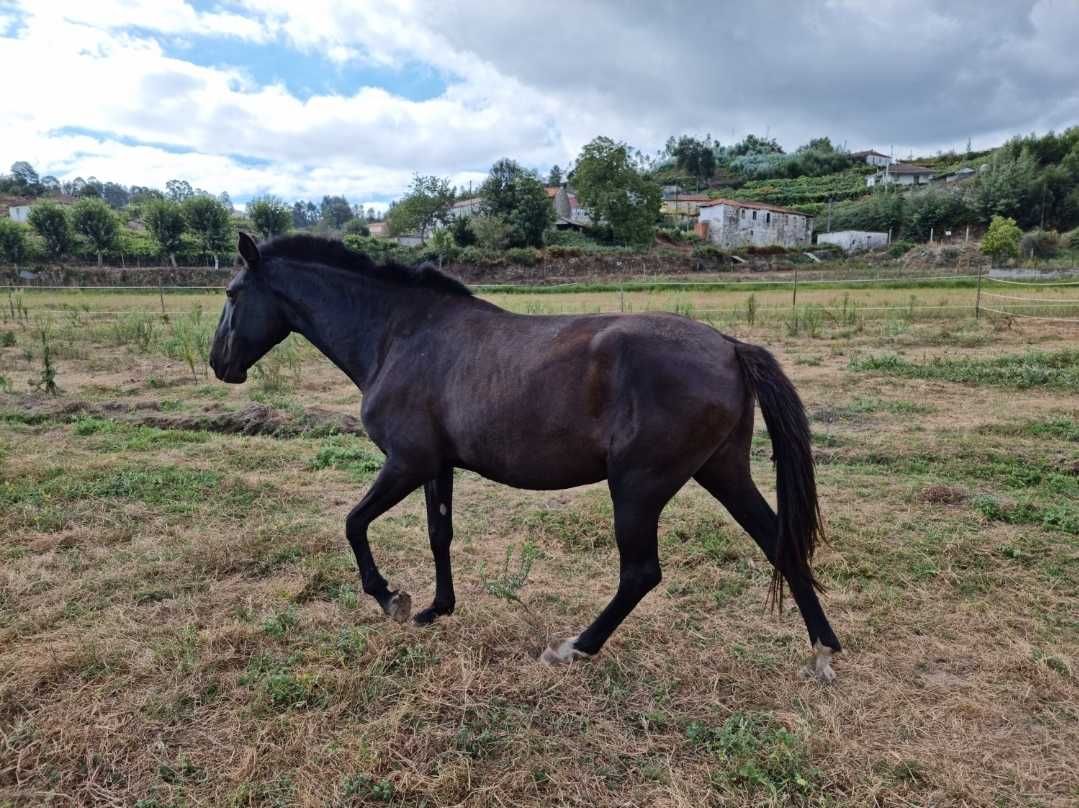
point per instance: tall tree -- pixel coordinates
(179, 190)
(426, 205)
(94, 220)
(616, 194)
(335, 211)
(209, 220)
(695, 157)
(555, 175)
(50, 221)
(115, 194)
(270, 215)
(25, 175)
(516, 197)
(304, 214)
(165, 221)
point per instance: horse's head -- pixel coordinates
(252, 322)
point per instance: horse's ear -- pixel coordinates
(249, 250)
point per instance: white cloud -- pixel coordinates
(522, 82)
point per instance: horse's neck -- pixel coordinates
(346, 320)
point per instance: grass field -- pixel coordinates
(181, 623)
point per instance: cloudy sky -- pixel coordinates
(302, 98)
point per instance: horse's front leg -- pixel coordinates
(394, 483)
(439, 495)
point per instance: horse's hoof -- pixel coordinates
(820, 666)
(562, 653)
(426, 617)
(399, 606)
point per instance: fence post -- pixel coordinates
(794, 299)
(978, 298)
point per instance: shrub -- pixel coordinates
(481, 256)
(1039, 244)
(1072, 239)
(709, 252)
(560, 251)
(897, 249)
(526, 256)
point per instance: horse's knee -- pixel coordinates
(643, 577)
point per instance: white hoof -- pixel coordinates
(563, 653)
(400, 607)
(820, 666)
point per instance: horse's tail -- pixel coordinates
(800, 522)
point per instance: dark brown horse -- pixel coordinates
(644, 401)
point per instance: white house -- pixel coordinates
(19, 213)
(872, 158)
(854, 240)
(731, 223)
(901, 174)
(466, 208)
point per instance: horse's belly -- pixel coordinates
(536, 461)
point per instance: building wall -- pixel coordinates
(876, 160)
(854, 240)
(732, 227)
(19, 213)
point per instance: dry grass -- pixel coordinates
(180, 621)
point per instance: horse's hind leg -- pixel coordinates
(726, 477)
(439, 495)
(637, 506)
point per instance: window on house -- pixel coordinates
(768, 218)
(754, 214)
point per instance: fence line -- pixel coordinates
(495, 288)
(1059, 301)
(1030, 316)
(1032, 283)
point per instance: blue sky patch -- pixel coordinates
(303, 74)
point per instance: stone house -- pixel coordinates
(731, 224)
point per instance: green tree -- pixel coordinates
(14, 245)
(1002, 238)
(94, 220)
(270, 216)
(357, 227)
(426, 205)
(462, 232)
(517, 197)
(615, 193)
(209, 221)
(165, 221)
(179, 190)
(335, 211)
(695, 157)
(555, 175)
(50, 221)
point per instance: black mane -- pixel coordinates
(303, 247)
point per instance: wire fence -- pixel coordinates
(1013, 302)
(1010, 305)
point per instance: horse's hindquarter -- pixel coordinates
(545, 402)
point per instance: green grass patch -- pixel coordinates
(1058, 370)
(758, 756)
(1058, 428)
(348, 454)
(116, 436)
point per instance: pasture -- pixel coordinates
(181, 621)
